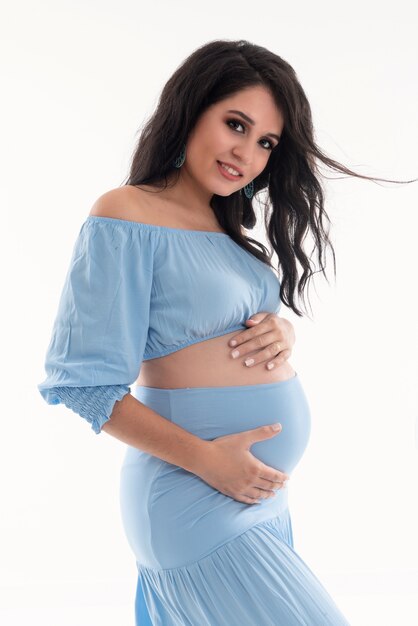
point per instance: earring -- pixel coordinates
(249, 190)
(181, 158)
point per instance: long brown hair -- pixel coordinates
(294, 203)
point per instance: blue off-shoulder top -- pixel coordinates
(137, 291)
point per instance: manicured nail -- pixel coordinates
(249, 362)
(270, 366)
(234, 354)
(233, 342)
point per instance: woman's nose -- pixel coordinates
(244, 155)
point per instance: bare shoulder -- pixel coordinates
(126, 203)
(148, 205)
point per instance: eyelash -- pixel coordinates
(244, 126)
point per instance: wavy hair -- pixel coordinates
(294, 197)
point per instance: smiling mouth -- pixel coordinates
(223, 169)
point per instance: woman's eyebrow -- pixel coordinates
(250, 121)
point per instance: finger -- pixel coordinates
(266, 324)
(272, 477)
(268, 493)
(258, 494)
(268, 485)
(280, 329)
(279, 360)
(248, 500)
(262, 494)
(269, 353)
(258, 317)
(258, 342)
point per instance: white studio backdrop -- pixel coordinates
(80, 79)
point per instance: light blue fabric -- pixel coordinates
(95, 404)
(202, 557)
(134, 292)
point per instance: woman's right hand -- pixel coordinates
(229, 467)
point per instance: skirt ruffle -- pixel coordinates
(255, 579)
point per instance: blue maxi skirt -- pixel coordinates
(203, 558)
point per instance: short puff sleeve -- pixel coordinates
(101, 326)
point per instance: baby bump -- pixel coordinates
(171, 516)
(211, 412)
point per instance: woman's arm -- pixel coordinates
(225, 463)
(139, 426)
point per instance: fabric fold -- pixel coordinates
(94, 404)
(260, 565)
(101, 325)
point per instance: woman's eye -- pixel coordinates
(235, 122)
(270, 146)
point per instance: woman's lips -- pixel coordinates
(227, 174)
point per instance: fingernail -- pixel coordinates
(233, 342)
(234, 354)
(276, 426)
(249, 362)
(270, 366)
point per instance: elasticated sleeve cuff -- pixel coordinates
(95, 404)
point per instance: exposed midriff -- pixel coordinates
(209, 364)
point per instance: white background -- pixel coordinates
(79, 80)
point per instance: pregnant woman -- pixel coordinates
(162, 278)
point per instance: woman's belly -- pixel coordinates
(171, 516)
(209, 364)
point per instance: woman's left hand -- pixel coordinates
(272, 335)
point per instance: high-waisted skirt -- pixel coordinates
(203, 558)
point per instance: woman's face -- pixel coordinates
(224, 136)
